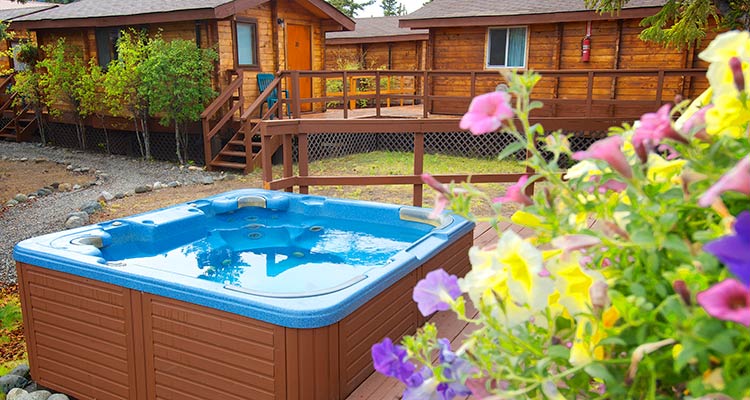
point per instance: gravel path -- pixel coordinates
(116, 174)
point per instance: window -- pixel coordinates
(106, 44)
(18, 65)
(506, 47)
(246, 43)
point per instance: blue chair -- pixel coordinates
(263, 81)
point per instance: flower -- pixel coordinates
(726, 46)
(487, 113)
(435, 292)
(727, 117)
(515, 193)
(653, 128)
(695, 125)
(391, 361)
(728, 300)
(574, 283)
(608, 150)
(661, 170)
(735, 180)
(575, 242)
(734, 250)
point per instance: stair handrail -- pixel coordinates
(254, 106)
(226, 96)
(14, 120)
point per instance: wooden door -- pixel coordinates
(299, 57)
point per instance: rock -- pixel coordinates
(55, 185)
(77, 170)
(77, 220)
(58, 396)
(69, 167)
(104, 176)
(173, 184)
(21, 370)
(16, 394)
(11, 203)
(219, 178)
(23, 159)
(119, 195)
(230, 177)
(40, 160)
(157, 185)
(105, 196)
(207, 180)
(43, 192)
(91, 207)
(85, 169)
(20, 197)
(37, 395)
(8, 382)
(143, 189)
(194, 168)
(32, 387)
(65, 187)
(76, 187)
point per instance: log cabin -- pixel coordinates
(492, 35)
(9, 11)
(377, 43)
(249, 35)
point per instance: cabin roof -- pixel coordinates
(445, 13)
(375, 30)
(10, 10)
(88, 13)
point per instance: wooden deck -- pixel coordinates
(407, 111)
(379, 387)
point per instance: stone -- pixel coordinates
(58, 396)
(16, 394)
(76, 187)
(40, 160)
(65, 187)
(21, 370)
(173, 184)
(207, 180)
(230, 177)
(105, 196)
(11, 203)
(143, 189)
(8, 382)
(20, 197)
(37, 395)
(23, 159)
(91, 207)
(194, 168)
(104, 176)
(43, 192)
(69, 167)
(85, 169)
(77, 220)
(157, 185)
(78, 170)
(120, 195)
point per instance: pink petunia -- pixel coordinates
(515, 193)
(610, 151)
(696, 124)
(487, 113)
(728, 300)
(653, 128)
(735, 180)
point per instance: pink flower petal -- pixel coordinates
(728, 300)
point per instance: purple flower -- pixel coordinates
(435, 291)
(487, 113)
(728, 300)
(515, 193)
(735, 65)
(734, 250)
(391, 361)
(653, 128)
(417, 379)
(608, 150)
(735, 180)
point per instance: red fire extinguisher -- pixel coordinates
(586, 44)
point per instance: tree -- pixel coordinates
(350, 7)
(62, 80)
(177, 82)
(91, 91)
(392, 7)
(124, 91)
(682, 23)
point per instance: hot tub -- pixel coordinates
(250, 294)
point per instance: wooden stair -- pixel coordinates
(22, 126)
(235, 155)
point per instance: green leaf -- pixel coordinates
(511, 149)
(599, 371)
(558, 352)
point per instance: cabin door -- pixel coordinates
(299, 57)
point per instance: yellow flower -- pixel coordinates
(718, 53)
(524, 263)
(610, 317)
(727, 117)
(714, 379)
(661, 170)
(524, 218)
(573, 283)
(583, 168)
(676, 350)
(586, 347)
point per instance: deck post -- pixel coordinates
(303, 161)
(288, 166)
(345, 93)
(377, 94)
(425, 95)
(418, 164)
(207, 151)
(265, 156)
(296, 97)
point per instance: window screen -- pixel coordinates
(246, 44)
(506, 47)
(106, 44)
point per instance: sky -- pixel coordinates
(374, 10)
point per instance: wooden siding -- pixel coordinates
(615, 45)
(403, 55)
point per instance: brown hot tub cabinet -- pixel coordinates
(95, 340)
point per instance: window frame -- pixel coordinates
(507, 42)
(256, 61)
(113, 45)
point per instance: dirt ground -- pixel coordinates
(29, 176)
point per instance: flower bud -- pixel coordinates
(739, 78)
(599, 295)
(680, 287)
